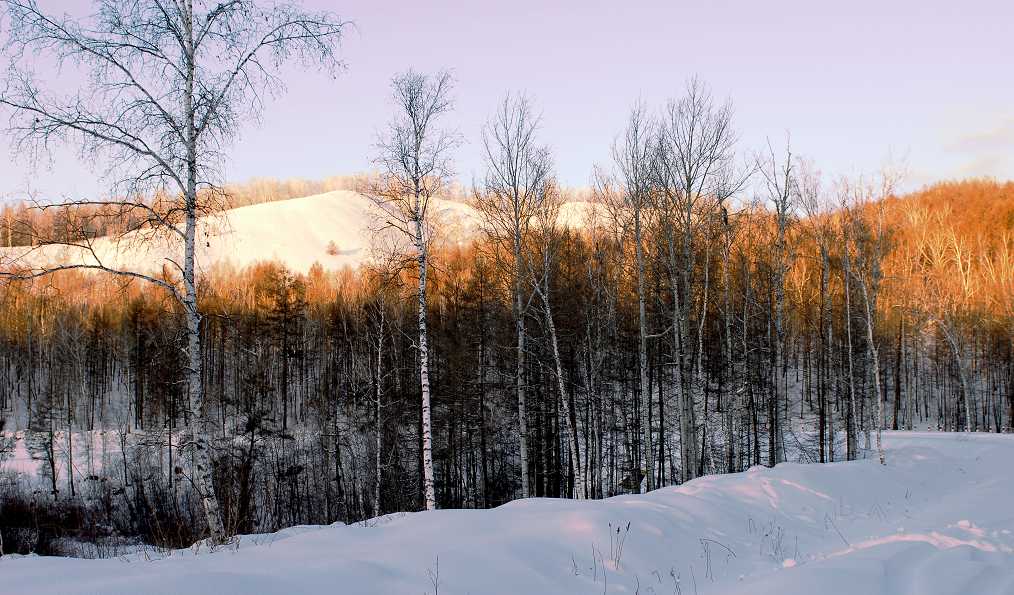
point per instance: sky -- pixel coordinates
(856, 85)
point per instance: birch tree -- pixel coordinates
(950, 284)
(819, 226)
(379, 316)
(547, 236)
(782, 190)
(415, 165)
(870, 239)
(693, 156)
(168, 88)
(852, 417)
(632, 155)
(517, 175)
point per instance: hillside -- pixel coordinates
(933, 521)
(336, 229)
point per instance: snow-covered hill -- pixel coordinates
(336, 229)
(936, 520)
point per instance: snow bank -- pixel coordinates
(937, 519)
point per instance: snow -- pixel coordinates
(23, 453)
(337, 229)
(936, 520)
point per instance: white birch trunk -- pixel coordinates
(876, 371)
(731, 402)
(780, 395)
(379, 428)
(688, 460)
(429, 493)
(519, 322)
(649, 451)
(851, 428)
(826, 336)
(962, 375)
(575, 450)
(201, 446)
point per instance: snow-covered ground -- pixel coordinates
(938, 519)
(336, 229)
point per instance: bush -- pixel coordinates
(29, 525)
(104, 518)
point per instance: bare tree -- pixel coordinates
(168, 89)
(632, 156)
(870, 237)
(782, 190)
(415, 163)
(819, 226)
(517, 175)
(541, 270)
(691, 168)
(379, 316)
(946, 271)
(852, 418)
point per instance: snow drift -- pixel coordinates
(936, 520)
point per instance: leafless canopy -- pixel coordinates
(695, 151)
(414, 152)
(632, 155)
(518, 173)
(136, 55)
(167, 86)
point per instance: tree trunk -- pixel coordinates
(852, 418)
(519, 324)
(731, 384)
(778, 395)
(897, 374)
(429, 493)
(823, 368)
(377, 413)
(959, 361)
(201, 446)
(482, 398)
(568, 414)
(876, 370)
(688, 443)
(642, 354)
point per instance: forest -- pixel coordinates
(719, 307)
(312, 380)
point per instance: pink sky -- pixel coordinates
(854, 83)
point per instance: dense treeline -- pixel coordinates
(311, 381)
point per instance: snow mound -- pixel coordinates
(336, 230)
(936, 520)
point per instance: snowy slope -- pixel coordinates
(297, 232)
(937, 520)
